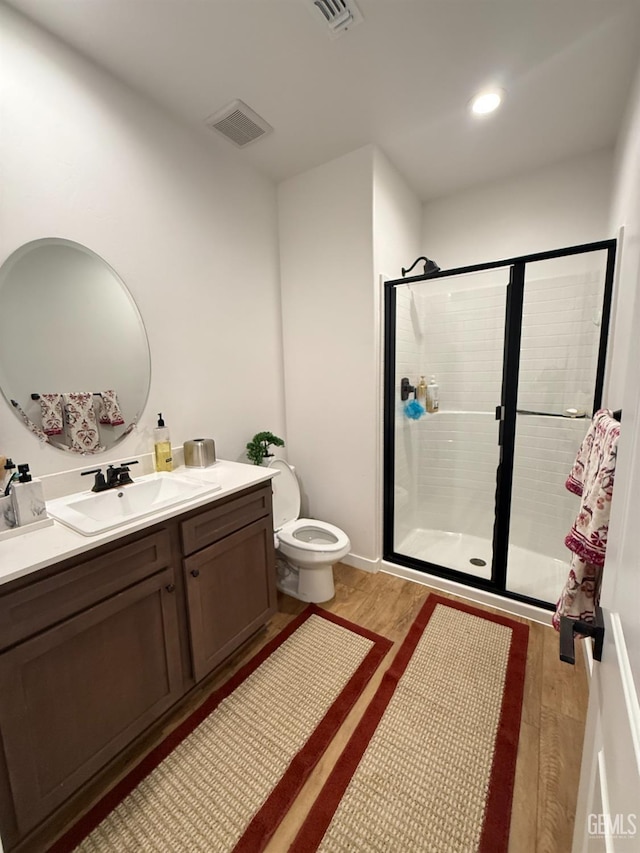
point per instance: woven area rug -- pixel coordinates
(431, 765)
(225, 778)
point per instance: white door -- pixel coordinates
(608, 810)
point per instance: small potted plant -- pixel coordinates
(258, 447)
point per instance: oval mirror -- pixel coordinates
(74, 355)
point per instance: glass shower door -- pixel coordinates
(559, 355)
(445, 463)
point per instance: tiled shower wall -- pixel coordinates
(446, 462)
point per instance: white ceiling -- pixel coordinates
(401, 79)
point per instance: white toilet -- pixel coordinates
(310, 547)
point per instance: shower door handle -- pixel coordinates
(500, 417)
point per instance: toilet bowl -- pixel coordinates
(309, 547)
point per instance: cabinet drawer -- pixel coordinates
(27, 611)
(222, 519)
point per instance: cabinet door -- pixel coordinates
(231, 592)
(75, 695)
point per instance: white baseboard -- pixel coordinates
(477, 596)
(363, 563)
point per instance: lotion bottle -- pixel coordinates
(162, 446)
(433, 404)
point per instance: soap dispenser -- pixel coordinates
(28, 498)
(162, 446)
(421, 392)
(433, 404)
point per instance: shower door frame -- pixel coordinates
(506, 412)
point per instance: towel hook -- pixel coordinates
(570, 627)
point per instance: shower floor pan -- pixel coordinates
(528, 573)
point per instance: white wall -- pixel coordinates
(397, 227)
(621, 582)
(190, 229)
(326, 260)
(397, 219)
(342, 225)
(562, 205)
(624, 213)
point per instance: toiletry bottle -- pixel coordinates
(28, 498)
(433, 403)
(162, 446)
(421, 392)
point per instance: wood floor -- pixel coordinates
(553, 716)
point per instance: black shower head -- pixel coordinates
(429, 266)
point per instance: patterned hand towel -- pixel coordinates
(592, 478)
(110, 410)
(82, 426)
(51, 411)
(34, 428)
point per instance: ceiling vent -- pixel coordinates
(239, 123)
(338, 15)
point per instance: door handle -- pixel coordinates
(570, 627)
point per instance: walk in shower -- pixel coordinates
(475, 492)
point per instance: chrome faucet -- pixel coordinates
(116, 476)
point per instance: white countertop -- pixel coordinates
(35, 549)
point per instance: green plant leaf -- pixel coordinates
(258, 447)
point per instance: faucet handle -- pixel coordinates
(124, 477)
(99, 484)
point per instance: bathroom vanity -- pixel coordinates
(105, 640)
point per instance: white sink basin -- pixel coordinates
(94, 512)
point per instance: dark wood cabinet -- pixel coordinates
(230, 592)
(97, 649)
(75, 695)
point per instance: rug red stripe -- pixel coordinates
(275, 807)
(495, 832)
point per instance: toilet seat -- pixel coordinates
(300, 532)
(331, 537)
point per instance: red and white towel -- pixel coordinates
(110, 413)
(82, 426)
(591, 478)
(51, 412)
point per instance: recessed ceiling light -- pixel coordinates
(486, 102)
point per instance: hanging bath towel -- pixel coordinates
(109, 409)
(591, 478)
(82, 425)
